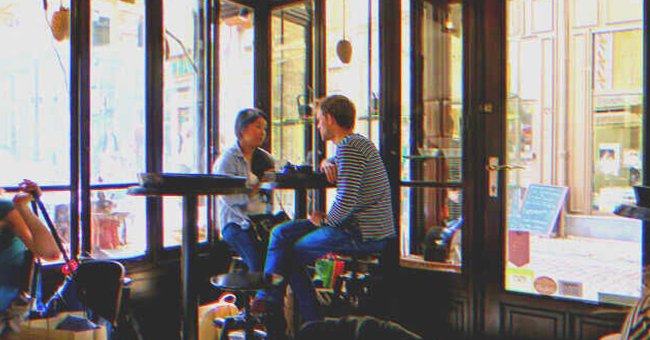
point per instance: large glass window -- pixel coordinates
(184, 132)
(574, 132)
(354, 23)
(34, 101)
(292, 120)
(236, 64)
(36, 120)
(116, 124)
(353, 53)
(432, 196)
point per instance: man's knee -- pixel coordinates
(307, 252)
(303, 248)
(279, 231)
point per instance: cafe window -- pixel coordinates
(432, 133)
(184, 123)
(116, 126)
(292, 119)
(34, 103)
(355, 24)
(574, 139)
(353, 34)
(236, 65)
(36, 134)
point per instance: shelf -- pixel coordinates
(417, 262)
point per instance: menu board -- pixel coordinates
(541, 207)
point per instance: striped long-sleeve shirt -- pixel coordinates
(362, 189)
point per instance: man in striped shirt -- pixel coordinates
(359, 222)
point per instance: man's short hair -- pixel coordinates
(246, 117)
(341, 108)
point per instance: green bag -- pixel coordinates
(327, 269)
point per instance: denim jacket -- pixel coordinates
(235, 208)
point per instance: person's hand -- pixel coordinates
(329, 169)
(30, 187)
(254, 189)
(318, 218)
(28, 191)
(22, 198)
(269, 175)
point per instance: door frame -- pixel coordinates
(499, 313)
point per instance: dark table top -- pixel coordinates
(172, 184)
(297, 180)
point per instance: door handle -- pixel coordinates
(496, 167)
(493, 167)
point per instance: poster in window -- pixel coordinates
(609, 158)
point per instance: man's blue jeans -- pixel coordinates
(295, 244)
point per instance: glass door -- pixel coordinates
(563, 121)
(573, 148)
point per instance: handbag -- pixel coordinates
(262, 224)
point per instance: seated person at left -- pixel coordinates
(20, 229)
(245, 158)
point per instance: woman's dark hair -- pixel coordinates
(246, 117)
(341, 108)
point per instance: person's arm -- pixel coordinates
(34, 234)
(350, 166)
(226, 165)
(328, 167)
(28, 227)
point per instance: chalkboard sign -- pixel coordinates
(540, 209)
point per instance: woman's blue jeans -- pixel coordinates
(295, 244)
(244, 243)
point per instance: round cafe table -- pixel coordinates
(190, 187)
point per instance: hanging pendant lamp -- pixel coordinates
(61, 23)
(344, 47)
